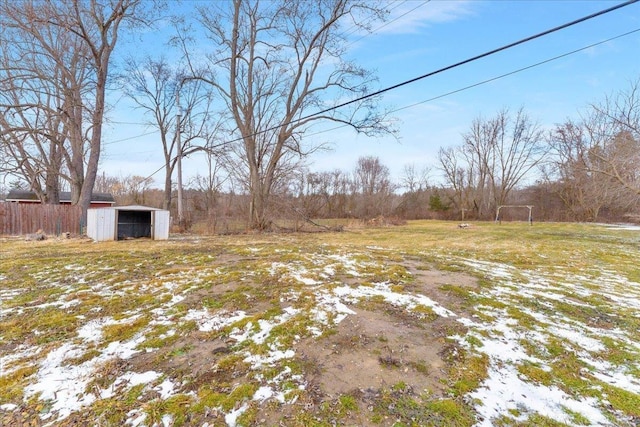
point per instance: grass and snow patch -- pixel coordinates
(154, 336)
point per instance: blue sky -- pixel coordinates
(435, 34)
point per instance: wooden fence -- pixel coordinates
(22, 219)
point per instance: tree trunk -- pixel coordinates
(257, 209)
(96, 138)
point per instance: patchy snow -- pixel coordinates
(8, 407)
(612, 375)
(258, 334)
(263, 393)
(258, 361)
(347, 263)
(167, 420)
(65, 384)
(62, 384)
(9, 294)
(11, 361)
(409, 301)
(576, 336)
(632, 227)
(91, 332)
(135, 418)
(213, 322)
(504, 393)
(327, 303)
(232, 417)
(296, 272)
(498, 333)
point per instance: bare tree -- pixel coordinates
(597, 160)
(210, 186)
(459, 176)
(44, 71)
(372, 183)
(413, 179)
(316, 194)
(274, 65)
(583, 192)
(68, 46)
(613, 128)
(156, 88)
(497, 154)
(519, 149)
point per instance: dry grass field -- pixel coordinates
(424, 324)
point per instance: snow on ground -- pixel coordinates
(504, 393)
(408, 301)
(207, 322)
(633, 227)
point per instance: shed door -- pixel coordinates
(101, 224)
(134, 224)
(161, 223)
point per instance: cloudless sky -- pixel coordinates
(432, 35)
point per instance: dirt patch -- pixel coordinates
(433, 283)
(382, 349)
(372, 350)
(189, 361)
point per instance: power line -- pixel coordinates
(494, 78)
(447, 68)
(518, 70)
(354, 28)
(131, 137)
(455, 65)
(386, 24)
(390, 22)
(528, 67)
(466, 61)
(351, 31)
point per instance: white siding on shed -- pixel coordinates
(101, 224)
(160, 221)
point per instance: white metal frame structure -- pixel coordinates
(530, 207)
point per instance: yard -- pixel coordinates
(426, 324)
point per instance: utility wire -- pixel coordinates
(406, 107)
(492, 78)
(354, 28)
(455, 65)
(518, 70)
(447, 68)
(130, 138)
(389, 23)
(466, 61)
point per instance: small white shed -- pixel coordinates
(127, 222)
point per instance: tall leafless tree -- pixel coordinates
(496, 155)
(414, 179)
(60, 50)
(372, 185)
(275, 64)
(596, 161)
(613, 128)
(583, 192)
(459, 177)
(155, 87)
(43, 74)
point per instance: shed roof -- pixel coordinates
(135, 208)
(65, 196)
